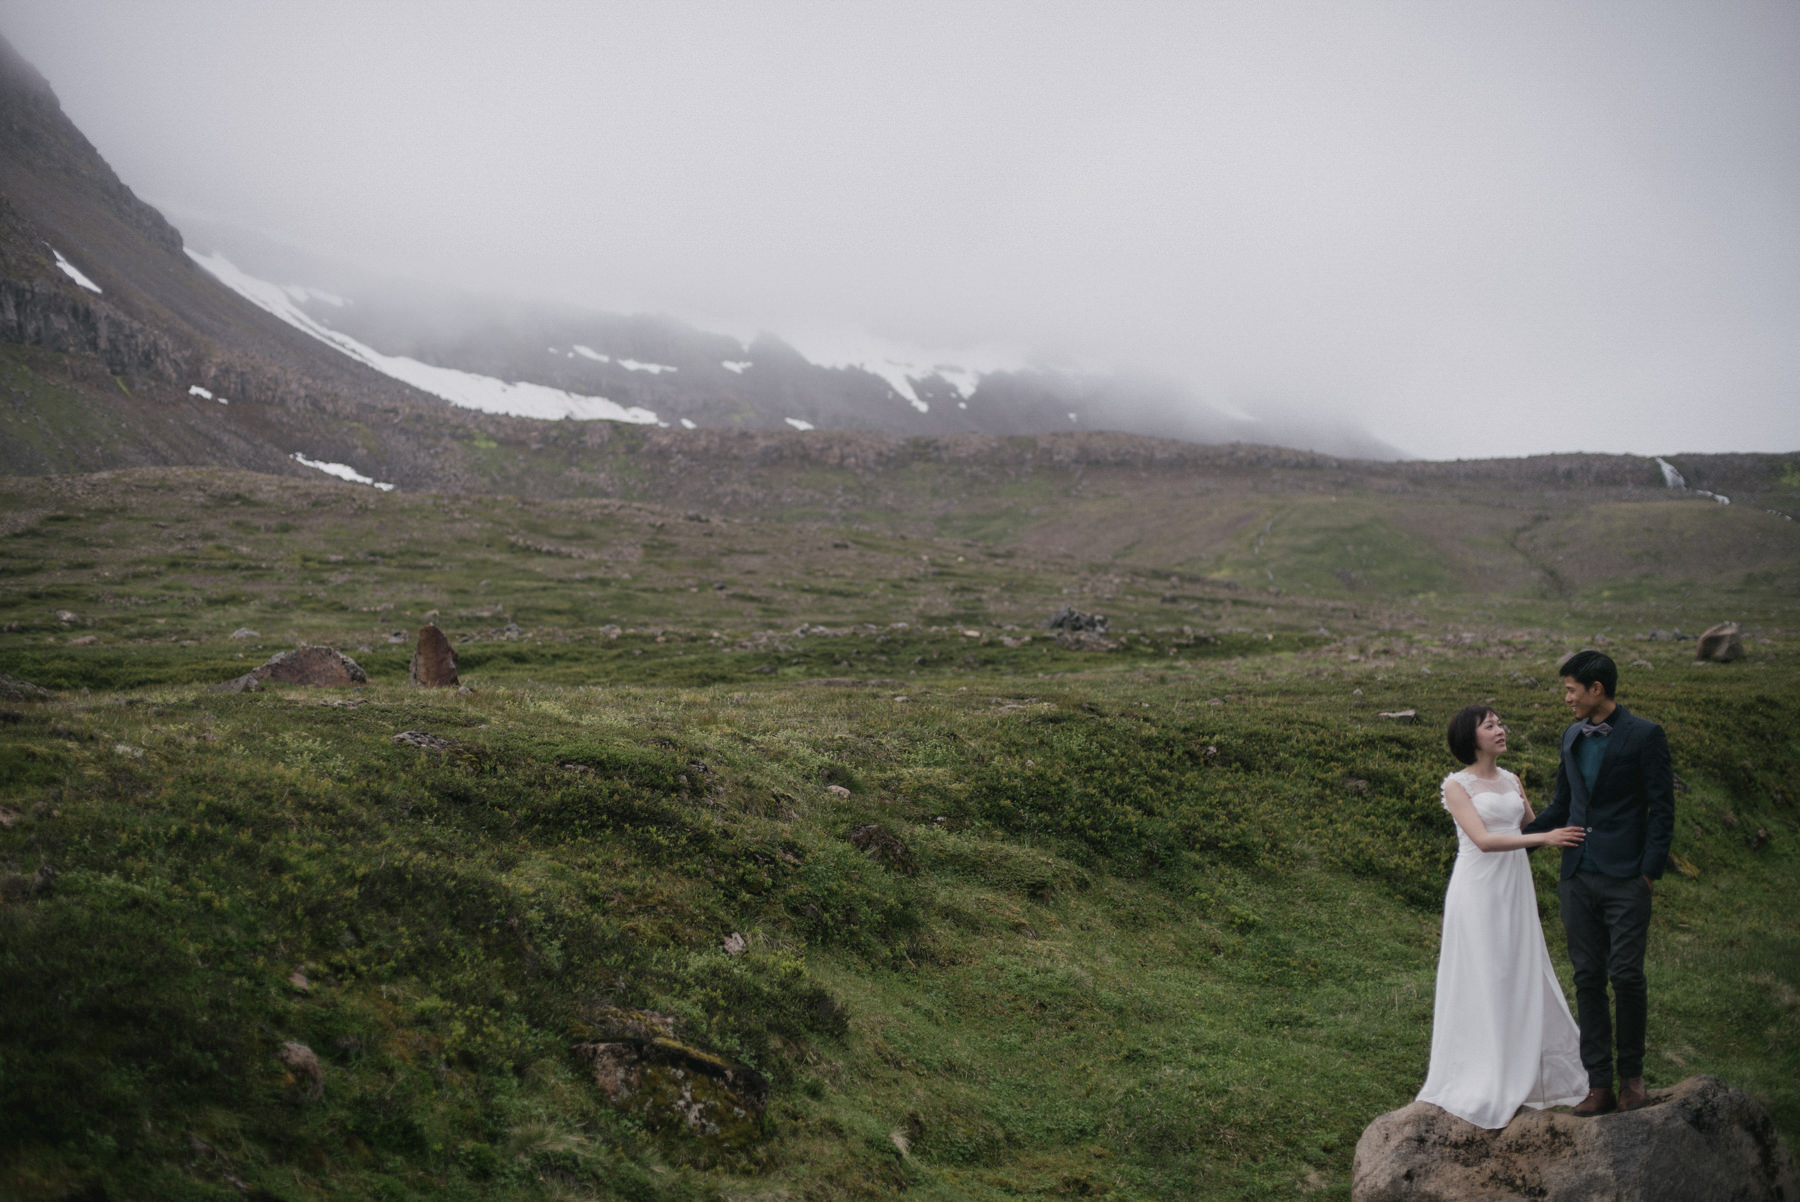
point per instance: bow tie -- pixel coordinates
(1590, 729)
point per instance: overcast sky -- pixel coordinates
(1478, 228)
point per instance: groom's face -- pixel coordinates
(1584, 701)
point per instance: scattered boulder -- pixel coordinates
(14, 689)
(735, 944)
(14, 887)
(1404, 717)
(323, 667)
(1075, 622)
(884, 847)
(1698, 1142)
(433, 661)
(640, 1067)
(244, 632)
(304, 1068)
(424, 741)
(1722, 644)
(320, 667)
(1081, 640)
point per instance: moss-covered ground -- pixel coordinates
(1163, 923)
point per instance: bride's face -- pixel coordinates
(1490, 736)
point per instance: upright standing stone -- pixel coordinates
(433, 661)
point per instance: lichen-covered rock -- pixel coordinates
(1701, 1141)
(641, 1068)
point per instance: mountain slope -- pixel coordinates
(108, 328)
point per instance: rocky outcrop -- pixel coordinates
(640, 1067)
(1701, 1141)
(49, 314)
(1722, 644)
(433, 661)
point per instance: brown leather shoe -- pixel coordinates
(1598, 1101)
(1633, 1095)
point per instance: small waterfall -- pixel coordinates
(1671, 477)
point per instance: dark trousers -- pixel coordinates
(1607, 919)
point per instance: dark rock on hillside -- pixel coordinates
(324, 667)
(1073, 620)
(884, 847)
(1701, 1141)
(640, 1067)
(433, 661)
(305, 1074)
(1721, 644)
(320, 667)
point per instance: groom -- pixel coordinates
(1615, 781)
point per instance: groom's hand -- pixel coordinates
(1649, 884)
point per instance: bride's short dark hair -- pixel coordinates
(1462, 730)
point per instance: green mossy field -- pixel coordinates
(1013, 919)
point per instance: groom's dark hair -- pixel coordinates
(1589, 667)
(1462, 731)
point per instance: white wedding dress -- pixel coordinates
(1501, 1033)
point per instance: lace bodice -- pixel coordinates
(1499, 803)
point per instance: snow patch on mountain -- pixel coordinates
(588, 352)
(73, 272)
(797, 423)
(740, 366)
(303, 295)
(904, 367)
(467, 389)
(342, 471)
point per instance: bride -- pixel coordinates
(1501, 1033)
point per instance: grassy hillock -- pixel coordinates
(1013, 919)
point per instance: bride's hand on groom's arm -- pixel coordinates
(1564, 836)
